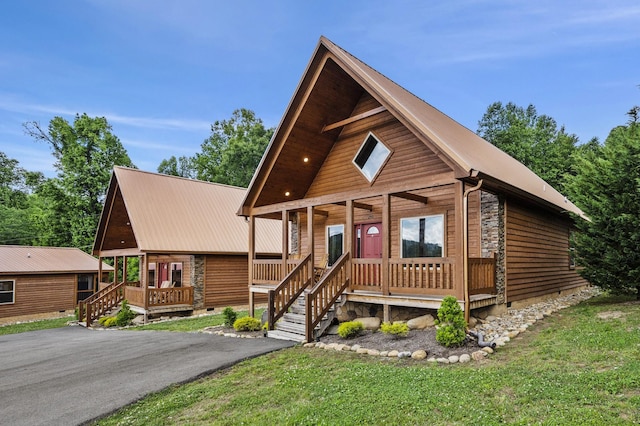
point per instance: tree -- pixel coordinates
(233, 151)
(183, 167)
(531, 139)
(85, 154)
(606, 186)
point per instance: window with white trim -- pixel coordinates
(422, 236)
(7, 292)
(371, 157)
(335, 243)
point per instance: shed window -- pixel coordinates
(422, 236)
(85, 286)
(335, 243)
(371, 157)
(7, 292)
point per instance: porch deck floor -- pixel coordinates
(427, 301)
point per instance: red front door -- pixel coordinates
(368, 238)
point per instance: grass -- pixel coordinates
(192, 324)
(34, 325)
(572, 368)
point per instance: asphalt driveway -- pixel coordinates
(71, 375)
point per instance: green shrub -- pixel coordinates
(397, 329)
(247, 324)
(110, 321)
(229, 316)
(102, 320)
(125, 315)
(451, 330)
(349, 329)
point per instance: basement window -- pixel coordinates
(371, 157)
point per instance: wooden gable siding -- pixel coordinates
(227, 282)
(39, 294)
(537, 253)
(116, 230)
(410, 158)
(440, 201)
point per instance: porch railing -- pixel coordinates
(482, 275)
(365, 275)
(269, 271)
(100, 303)
(169, 296)
(325, 293)
(427, 275)
(282, 296)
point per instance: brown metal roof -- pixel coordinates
(472, 155)
(40, 260)
(173, 214)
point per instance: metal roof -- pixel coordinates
(174, 214)
(471, 154)
(41, 260)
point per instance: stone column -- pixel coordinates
(197, 280)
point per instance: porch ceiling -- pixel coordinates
(332, 98)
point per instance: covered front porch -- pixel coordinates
(151, 283)
(371, 254)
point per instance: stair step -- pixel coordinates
(284, 335)
(291, 327)
(294, 317)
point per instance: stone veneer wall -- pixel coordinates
(493, 238)
(197, 280)
(294, 234)
(352, 310)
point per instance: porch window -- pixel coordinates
(335, 243)
(152, 275)
(176, 274)
(422, 236)
(7, 292)
(371, 157)
(85, 286)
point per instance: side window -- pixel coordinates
(7, 292)
(85, 286)
(422, 236)
(176, 274)
(335, 243)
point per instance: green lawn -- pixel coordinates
(35, 325)
(192, 324)
(571, 368)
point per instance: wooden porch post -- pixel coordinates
(115, 269)
(96, 286)
(386, 251)
(250, 256)
(285, 243)
(348, 236)
(124, 268)
(310, 239)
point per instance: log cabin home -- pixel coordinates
(184, 237)
(405, 204)
(39, 281)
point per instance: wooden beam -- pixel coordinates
(353, 119)
(356, 205)
(410, 196)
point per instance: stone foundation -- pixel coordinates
(352, 310)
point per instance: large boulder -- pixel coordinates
(420, 323)
(369, 323)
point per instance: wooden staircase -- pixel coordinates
(300, 313)
(99, 303)
(293, 324)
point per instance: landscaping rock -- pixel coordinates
(464, 358)
(421, 322)
(393, 353)
(374, 352)
(453, 359)
(369, 323)
(478, 355)
(419, 354)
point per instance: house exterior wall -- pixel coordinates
(537, 253)
(227, 281)
(38, 294)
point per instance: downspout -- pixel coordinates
(465, 249)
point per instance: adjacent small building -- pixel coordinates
(42, 280)
(183, 237)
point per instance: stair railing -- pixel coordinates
(291, 287)
(99, 303)
(323, 295)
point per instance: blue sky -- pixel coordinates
(162, 71)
